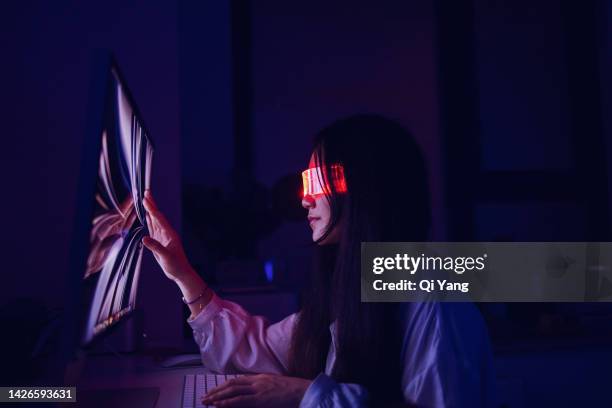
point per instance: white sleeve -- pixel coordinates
(233, 341)
(446, 362)
(324, 392)
(447, 357)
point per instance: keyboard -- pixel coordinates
(197, 385)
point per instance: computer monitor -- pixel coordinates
(110, 220)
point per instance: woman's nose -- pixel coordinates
(308, 202)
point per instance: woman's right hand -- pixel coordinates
(164, 242)
(167, 249)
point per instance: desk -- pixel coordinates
(117, 372)
(138, 371)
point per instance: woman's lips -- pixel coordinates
(311, 220)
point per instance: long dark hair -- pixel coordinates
(387, 200)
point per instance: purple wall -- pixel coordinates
(523, 92)
(317, 63)
(606, 82)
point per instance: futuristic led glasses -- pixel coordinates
(315, 183)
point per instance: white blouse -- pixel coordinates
(446, 354)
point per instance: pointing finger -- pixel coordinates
(154, 246)
(156, 215)
(149, 206)
(148, 196)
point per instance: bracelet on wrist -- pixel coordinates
(200, 296)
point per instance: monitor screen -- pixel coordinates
(118, 221)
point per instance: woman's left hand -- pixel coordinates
(261, 390)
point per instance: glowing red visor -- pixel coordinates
(314, 181)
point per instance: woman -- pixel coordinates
(366, 182)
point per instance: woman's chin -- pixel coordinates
(317, 234)
(330, 239)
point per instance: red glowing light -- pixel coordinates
(314, 182)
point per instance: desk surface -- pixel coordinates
(112, 372)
